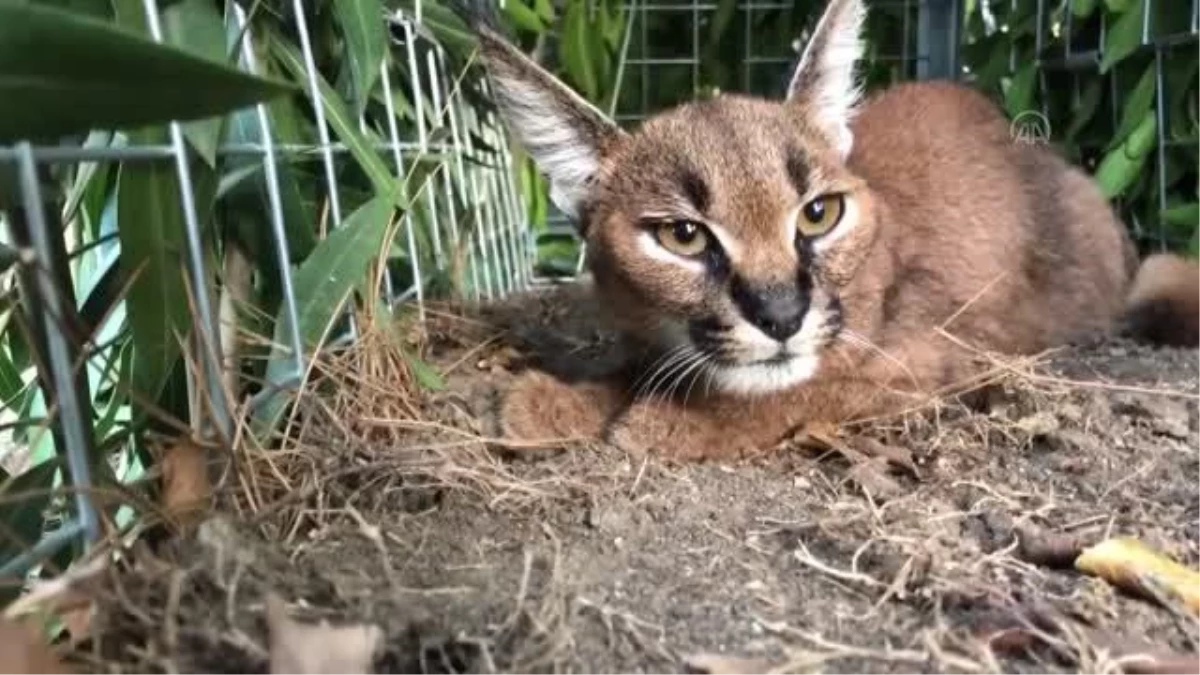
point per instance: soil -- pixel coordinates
(908, 550)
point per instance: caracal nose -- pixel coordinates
(777, 310)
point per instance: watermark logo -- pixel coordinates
(1030, 127)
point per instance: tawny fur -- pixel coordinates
(965, 242)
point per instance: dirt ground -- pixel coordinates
(900, 554)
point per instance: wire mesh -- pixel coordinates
(463, 187)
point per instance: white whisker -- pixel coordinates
(655, 369)
(663, 375)
(676, 375)
(696, 362)
(705, 371)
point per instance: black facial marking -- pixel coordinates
(797, 170)
(717, 263)
(696, 190)
(706, 334)
(776, 310)
(804, 251)
(835, 317)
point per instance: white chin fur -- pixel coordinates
(765, 378)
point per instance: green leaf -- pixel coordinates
(1123, 38)
(343, 125)
(366, 44)
(1184, 215)
(726, 10)
(11, 384)
(545, 10)
(524, 17)
(1137, 103)
(246, 182)
(427, 376)
(575, 49)
(197, 26)
(445, 26)
(322, 283)
(1119, 6)
(151, 232)
(1019, 97)
(99, 9)
(1121, 167)
(1082, 9)
(103, 77)
(1085, 110)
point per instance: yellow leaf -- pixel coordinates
(1137, 568)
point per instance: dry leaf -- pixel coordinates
(22, 650)
(720, 664)
(186, 487)
(1137, 568)
(1049, 549)
(318, 648)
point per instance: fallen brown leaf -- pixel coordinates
(318, 648)
(186, 487)
(1049, 549)
(1134, 567)
(22, 650)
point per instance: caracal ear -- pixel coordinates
(566, 136)
(824, 86)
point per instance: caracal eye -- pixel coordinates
(682, 237)
(821, 215)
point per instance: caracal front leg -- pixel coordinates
(539, 408)
(716, 428)
(728, 427)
